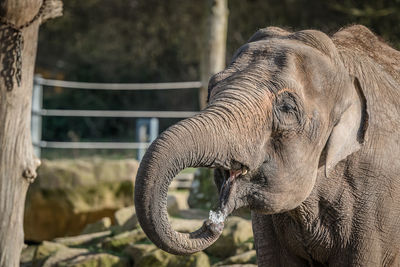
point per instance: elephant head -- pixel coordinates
(283, 109)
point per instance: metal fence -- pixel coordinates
(148, 128)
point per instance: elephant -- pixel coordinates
(304, 130)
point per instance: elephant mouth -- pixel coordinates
(227, 192)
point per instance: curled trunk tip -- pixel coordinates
(175, 150)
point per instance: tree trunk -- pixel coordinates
(213, 60)
(19, 26)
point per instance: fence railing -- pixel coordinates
(148, 129)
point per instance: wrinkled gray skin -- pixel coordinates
(314, 120)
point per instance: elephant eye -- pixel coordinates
(287, 112)
(287, 107)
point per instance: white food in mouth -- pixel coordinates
(217, 217)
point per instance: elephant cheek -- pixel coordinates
(280, 197)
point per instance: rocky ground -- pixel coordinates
(125, 244)
(117, 240)
(69, 194)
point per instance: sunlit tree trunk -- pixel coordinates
(19, 26)
(213, 60)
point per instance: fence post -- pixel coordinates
(36, 123)
(153, 133)
(146, 131)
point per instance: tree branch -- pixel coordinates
(52, 9)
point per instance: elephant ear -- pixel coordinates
(348, 134)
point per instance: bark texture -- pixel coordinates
(215, 45)
(17, 161)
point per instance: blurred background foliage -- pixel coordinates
(161, 41)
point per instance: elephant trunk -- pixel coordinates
(190, 143)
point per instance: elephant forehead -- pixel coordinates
(270, 53)
(270, 48)
(264, 69)
(276, 55)
(268, 64)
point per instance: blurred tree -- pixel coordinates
(19, 26)
(153, 41)
(214, 49)
(381, 16)
(124, 41)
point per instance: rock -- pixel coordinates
(99, 226)
(120, 241)
(148, 255)
(95, 260)
(126, 219)
(244, 258)
(199, 259)
(244, 247)
(203, 194)
(155, 258)
(74, 193)
(172, 205)
(194, 214)
(239, 265)
(236, 232)
(181, 197)
(48, 253)
(27, 255)
(185, 225)
(159, 258)
(57, 258)
(83, 240)
(137, 251)
(45, 249)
